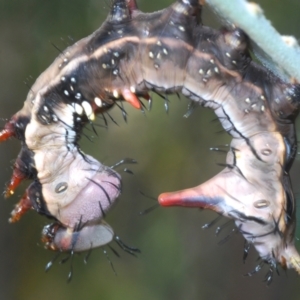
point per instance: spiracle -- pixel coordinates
(166, 52)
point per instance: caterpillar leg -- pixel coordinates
(24, 165)
(23, 169)
(15, 126)
(32, 199)
(21, 208)
(8, 131)
(16, 179)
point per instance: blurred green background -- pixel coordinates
(179, 260)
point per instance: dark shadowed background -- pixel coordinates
(179, 260)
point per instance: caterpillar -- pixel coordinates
(169, 51)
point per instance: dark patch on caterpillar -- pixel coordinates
(170, 52)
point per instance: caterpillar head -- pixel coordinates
(60, 238)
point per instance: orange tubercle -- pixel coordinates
(8, 131)
(131, 98)
(15, 181)
(20, 209)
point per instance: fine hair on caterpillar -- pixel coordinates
(166, 52)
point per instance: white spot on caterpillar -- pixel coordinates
(288, 98)
(44, 118)
(204, 80)
(73, 79)
(158, 56)
(78, 96)
(116, 72)
(247, 100)
(104, 66)
(201, 71)
(65, 60)
(66, 93)
(98, 101)
(246, 111)
(212, 61)
(132, 89)
(54, 118)
(227, 54)
(234, 62)
(165, 51)
(253, 105)
(71, 107)
(87, 109)
(45, 108)
(156, 66)
(181, 28)
(116, 54)
(151, 55)
(262, 108)
(261, 203)
(266, 152)
(78, 109)
(115, 94)
(208, 72)
(158, 43)
(63, 78)
(280, 113)
(262, 97)
(112, 61)
(71, 88)
(216, 70)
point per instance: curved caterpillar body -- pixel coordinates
(69, 186)
(169, 51)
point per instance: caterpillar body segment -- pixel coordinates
(59, 238)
